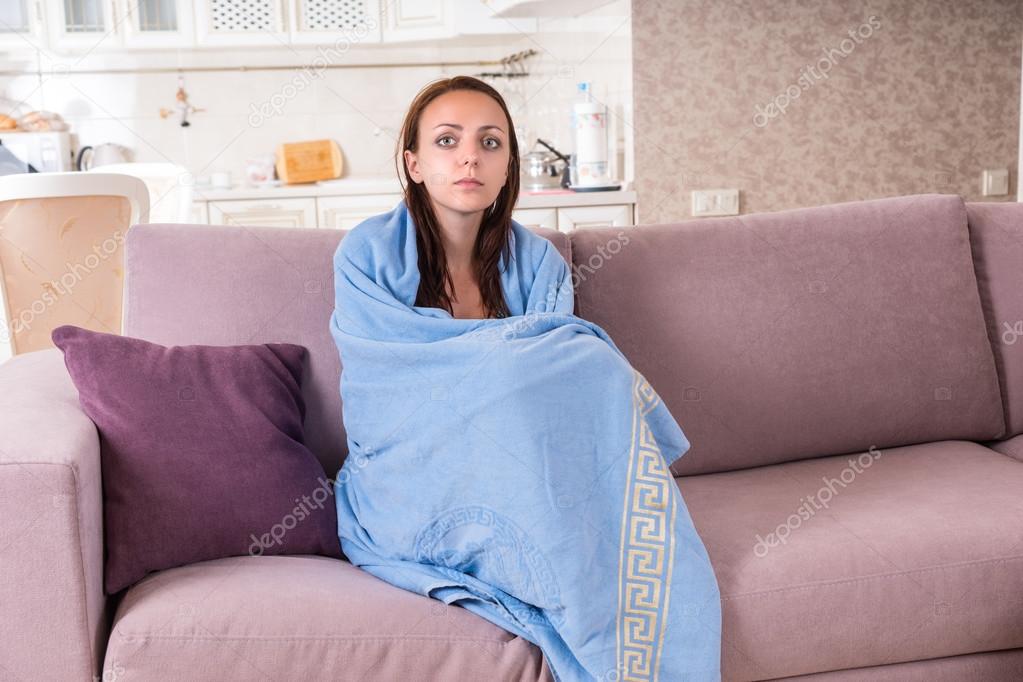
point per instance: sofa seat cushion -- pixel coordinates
(302, 618)
(864, 559)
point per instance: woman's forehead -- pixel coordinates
(465, 108)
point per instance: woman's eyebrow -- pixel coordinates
(455, 125)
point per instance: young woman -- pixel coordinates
(504, 456)
(461, 166)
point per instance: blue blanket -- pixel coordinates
(516, 467)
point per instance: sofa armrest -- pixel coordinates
(54, 624)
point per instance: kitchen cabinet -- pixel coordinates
(158, 23)
(345, 212)
(330, 22)
(80, 24)
(23, 26)
(343, 204)
(103, 25)
(200, 213)
(416, 20)
(240, 22)
(537, 217)
(410, 20)
(613, 215)
(300, 212)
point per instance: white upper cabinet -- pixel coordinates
(21, 25)
(101, 25)
(338, 23)
(240, 22)
(416, 20)
(410, 20)
(80, 24)
(158, 23)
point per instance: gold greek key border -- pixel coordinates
(647, 547)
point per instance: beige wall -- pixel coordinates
(922, 99)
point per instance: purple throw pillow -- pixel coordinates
(201, 450)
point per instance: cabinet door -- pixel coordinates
(158, 23)
(344, 213)
(81, 24)
(612, 215)
(408, 20)
(335, 23)
(536, 217)
(265, 213)
(21, 25)
(200, 214)
(239, 22)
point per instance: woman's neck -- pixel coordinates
(458, 233)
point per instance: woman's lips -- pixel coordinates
(468, 184)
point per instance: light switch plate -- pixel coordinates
(995, 182)
(709, 202)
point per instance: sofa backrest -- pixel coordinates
(996, 235)
(803, 333)
(227, 285)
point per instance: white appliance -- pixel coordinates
(47, 152)
(589, 123)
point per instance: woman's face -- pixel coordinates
(462, 134)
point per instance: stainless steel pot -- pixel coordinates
(544, 169)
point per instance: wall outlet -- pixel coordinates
(707, 202)
(994, 182)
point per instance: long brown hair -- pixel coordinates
(495, 228)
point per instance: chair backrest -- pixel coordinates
(61, 255)
(231, 285)
(171, 188)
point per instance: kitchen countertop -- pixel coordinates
(369, 186)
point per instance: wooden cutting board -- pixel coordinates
(299, 162)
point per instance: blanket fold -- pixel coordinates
(516, 467)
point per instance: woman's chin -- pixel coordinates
(464, 204)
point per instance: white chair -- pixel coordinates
(170, 188)
(62, 253)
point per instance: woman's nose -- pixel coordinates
(472, 156)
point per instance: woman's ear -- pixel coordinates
(413, 167)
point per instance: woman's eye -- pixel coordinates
(497, 142)
(441, 140)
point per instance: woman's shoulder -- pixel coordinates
(381, 229)
(532, 246)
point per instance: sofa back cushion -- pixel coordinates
(996, 233)
(230, 285)
(803, 333)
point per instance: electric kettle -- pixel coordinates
(101, 155)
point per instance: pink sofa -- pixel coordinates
(850, 376)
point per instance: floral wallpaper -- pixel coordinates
(801, 103)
